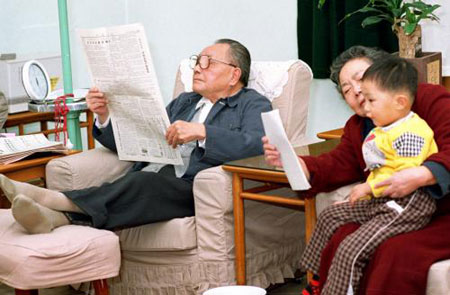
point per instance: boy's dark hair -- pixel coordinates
(393, 74)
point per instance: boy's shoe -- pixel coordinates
(313, 287)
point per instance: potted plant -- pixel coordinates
(404, 17)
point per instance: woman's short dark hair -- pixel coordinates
(393, 74)
(371, 54)
(240, 56)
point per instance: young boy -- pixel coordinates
(400, 140)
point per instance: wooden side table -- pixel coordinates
(271, 178)
(28, 169)
(21, 119)
(331, 134)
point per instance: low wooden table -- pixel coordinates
(24, 118)
(331, 134)
(31, 168)
(272, 178)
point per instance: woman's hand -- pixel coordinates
(271, 154)
(404, 182)
(97, 103)
(273, 157)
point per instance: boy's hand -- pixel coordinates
(359, 191)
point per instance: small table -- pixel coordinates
(21, 119)
(331, 134)
(33, 167)
(256, 169)
(72, 118)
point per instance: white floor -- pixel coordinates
(291, 288)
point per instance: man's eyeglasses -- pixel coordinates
(204, 61)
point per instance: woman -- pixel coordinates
(400, 265)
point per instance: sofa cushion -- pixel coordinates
(68, 255)
(173, 235)
(438, 282)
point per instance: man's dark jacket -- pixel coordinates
(233, 128)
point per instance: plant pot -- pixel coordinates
(429, 67)
(410, 46)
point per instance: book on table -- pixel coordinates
(15, 148)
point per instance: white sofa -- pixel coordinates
(191, 255)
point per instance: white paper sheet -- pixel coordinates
(277, 137)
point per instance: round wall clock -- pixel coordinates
(35, 80)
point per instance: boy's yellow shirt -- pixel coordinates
(404, 144)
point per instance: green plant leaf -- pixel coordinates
(395, 4)
(398, 3)
(383, 4)
(434, 7)
(410, 16)
(352, 13)
(428, 13)
(369, 9)
(397, 12)
(409, 28)
(321, 3)
(419, 5)
(371, 20)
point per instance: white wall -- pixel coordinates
(175, 29)
(28, 26)
(327, 109)
(436, 35)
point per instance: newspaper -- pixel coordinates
(274, 130)
(13, 149)
(120, 65)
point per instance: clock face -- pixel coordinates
(35, 80)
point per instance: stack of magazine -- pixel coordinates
(13, 149)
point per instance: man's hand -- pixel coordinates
(359, 191)
(404, 182)
(182, 132)
(98, 104)
(271, 154)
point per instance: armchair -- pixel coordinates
(190, 255)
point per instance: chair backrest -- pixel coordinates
(286, 84)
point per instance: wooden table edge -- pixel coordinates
(28, 163)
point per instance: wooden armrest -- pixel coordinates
(331, 134)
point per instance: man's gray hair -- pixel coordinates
(240, 57)
(371, 54)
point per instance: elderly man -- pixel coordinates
(218, 122)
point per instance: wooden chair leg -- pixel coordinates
(101, 287)
(26, 292)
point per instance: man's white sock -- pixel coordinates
(35, 218)
(47, 198)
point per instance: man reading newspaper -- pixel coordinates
(218, 122)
